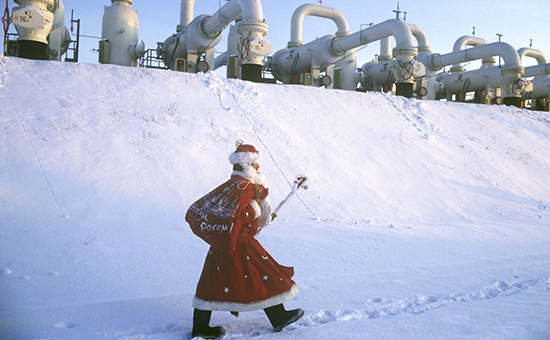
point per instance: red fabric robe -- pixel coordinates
(247, 278)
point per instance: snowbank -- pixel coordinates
(423, 220)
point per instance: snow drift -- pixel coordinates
(413, 207)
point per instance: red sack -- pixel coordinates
(216, 217)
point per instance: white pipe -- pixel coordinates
(250, 9)
(385, 49)
(506, 51)
(420, 36)
(541, 89)
(537, 70)
(478, 80)
(461, 43)
(186, 14)
(417, 32)
(203, 33)
(529, 52)
(220, 60)
(467, 40)
(297, 21)
(329, 49)
(392, 27)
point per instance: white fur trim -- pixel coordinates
(265, 218)
(245, 307)
(257, 209)
(245, 158)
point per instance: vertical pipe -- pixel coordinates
(186, 14)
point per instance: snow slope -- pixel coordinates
(423, 220)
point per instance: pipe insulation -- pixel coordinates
(537, 70)
(467, 40)
(392, 27)
(250, 9)
(529, 52)
(186, 14)
(196, 38)
(297, 22)
(541, 89)
(421, 37)
(506, 51)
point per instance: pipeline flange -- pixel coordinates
(331, 50)
(260, 27)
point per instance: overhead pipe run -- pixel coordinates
(329, 49)
(404, 52)
(346, 65)
(297, 22)
(378, 76)
(460, 45)
(306, 67)
(537, 71)
(530, 52)
(504, 50)
(511, 73)
(194, 44)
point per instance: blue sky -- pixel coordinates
(443, 21)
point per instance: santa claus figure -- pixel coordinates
(239, 274)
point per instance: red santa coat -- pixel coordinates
(247, 278)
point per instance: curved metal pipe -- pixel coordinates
(420, 36)
(467, 40)
(460, 45)
(506, 51)
(529, 52)
(297, 21)
(392, 27)
(250, 9)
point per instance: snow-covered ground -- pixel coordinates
(423, 220)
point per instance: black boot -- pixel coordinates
(280, 318)
(201, 328)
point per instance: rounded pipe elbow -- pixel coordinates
(421, 37)
(251, 10)
(467, 40)
(529, 52)
(297, 21)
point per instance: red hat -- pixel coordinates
(245, 154)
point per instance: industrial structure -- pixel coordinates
(410, 69)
